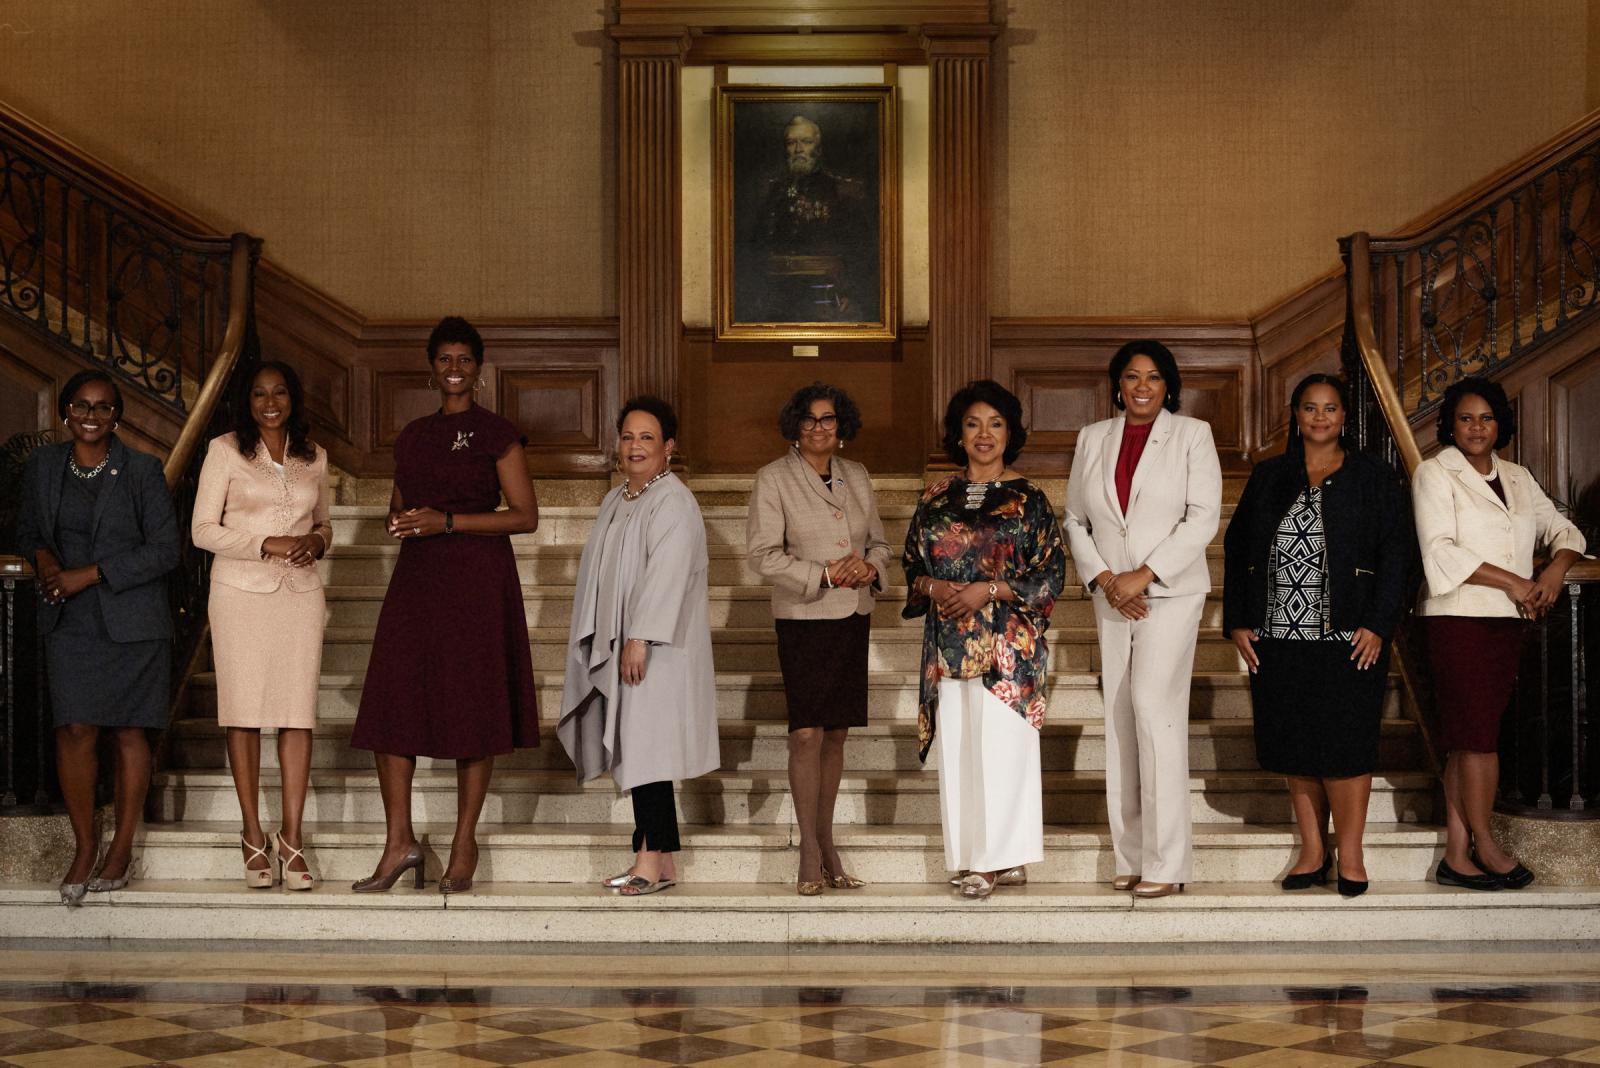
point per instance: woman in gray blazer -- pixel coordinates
(814, 531)
(97, 522)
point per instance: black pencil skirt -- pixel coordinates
(1315, 714)
(824, 664)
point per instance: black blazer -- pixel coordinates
(135, 537)
(1370, 543)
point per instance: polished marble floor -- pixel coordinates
(103, 1006)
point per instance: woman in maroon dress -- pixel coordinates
(451, 676)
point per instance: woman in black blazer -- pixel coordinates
(97, 521)
(1316, 558)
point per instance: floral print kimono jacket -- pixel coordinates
(1010, 536)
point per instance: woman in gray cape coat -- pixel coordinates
(640, 696)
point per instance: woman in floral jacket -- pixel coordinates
(984, 563)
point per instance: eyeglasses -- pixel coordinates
(811, 422)
(82, 409)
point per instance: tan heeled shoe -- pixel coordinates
(1157, 889)
(287, 855)
(1126, 882)
(809, 887)
(257, 878)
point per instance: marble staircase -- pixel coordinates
(547, 839)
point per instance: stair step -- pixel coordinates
(1062, 913)
(910, 854)
(758, 746)
(759, 695)
(737, 798)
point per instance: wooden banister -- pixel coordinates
(1371, 353)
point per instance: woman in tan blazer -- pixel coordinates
(1143, 503)
(814, 531)
(262, 508)
(1479, 520)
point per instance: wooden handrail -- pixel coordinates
(241, 287)
(1366, 337)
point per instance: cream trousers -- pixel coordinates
(990, 790)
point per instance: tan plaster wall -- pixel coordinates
(407, 157)
(1202, 158)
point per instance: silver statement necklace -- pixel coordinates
(635, 496)
(977, 491)
(72, 465)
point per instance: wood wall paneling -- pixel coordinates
(397, 398)
(1294, 338)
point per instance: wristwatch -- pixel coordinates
(449, 522)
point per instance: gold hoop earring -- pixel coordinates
(431, 384)
(841, 444)
(478, 386)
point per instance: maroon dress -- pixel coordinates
(451, 675)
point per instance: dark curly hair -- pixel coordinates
(78, 381)
(984, 391)
(653, 406)
(1505, 416)
(298, 425)
(1297, 445)
(799, 407)
(454, 330)
(1165, 362)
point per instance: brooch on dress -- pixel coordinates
(461, 441)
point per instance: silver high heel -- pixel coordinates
(257, 878)
(105, 886)
(616, 882)
(288, 854)
(72, 893)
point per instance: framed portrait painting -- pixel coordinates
(807, 213)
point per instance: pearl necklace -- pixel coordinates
(635, 496)
(72, 466)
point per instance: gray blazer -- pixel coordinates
(135, 537)
(796, 524)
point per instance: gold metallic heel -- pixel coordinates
(1017, 876)
(809, 888)
(1126, 882)
(1157, 889)
(841, 881)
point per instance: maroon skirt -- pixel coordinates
(1474, 661)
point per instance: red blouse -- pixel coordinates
(1134, 439)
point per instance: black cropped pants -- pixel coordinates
(655, 817)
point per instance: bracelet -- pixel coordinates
(827, 578)
(449, 522)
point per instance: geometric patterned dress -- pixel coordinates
(1316, 715)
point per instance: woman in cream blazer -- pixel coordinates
(1143, 503)
(814, 532)
(262, 509)
(1479, 520)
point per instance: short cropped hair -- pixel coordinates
(78, 381)
(1165, 362)
(799, 407)
(454, 330)
(984, 391)
(1505, 416)
(652, 406)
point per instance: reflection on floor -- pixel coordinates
(252, 1005)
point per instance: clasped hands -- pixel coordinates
(56, 584)
(1124, 590)
(1534, 597)
(416, 523)
(300, 550)
(957, 600)
(850, 572)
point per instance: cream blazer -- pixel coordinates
(242, 502)
(1462, 524)
(1173, 508)
(796, 524)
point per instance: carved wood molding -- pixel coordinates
(804, 15)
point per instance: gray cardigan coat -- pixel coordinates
(665, 728)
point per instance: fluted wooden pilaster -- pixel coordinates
(958, 206)
(649, 226)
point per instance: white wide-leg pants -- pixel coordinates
(1146, 670)
(990, 790)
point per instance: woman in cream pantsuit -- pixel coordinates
(262, 508)
(1143, 503)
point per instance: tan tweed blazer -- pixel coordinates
(797, 525)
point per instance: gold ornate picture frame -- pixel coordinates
(807, 213)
